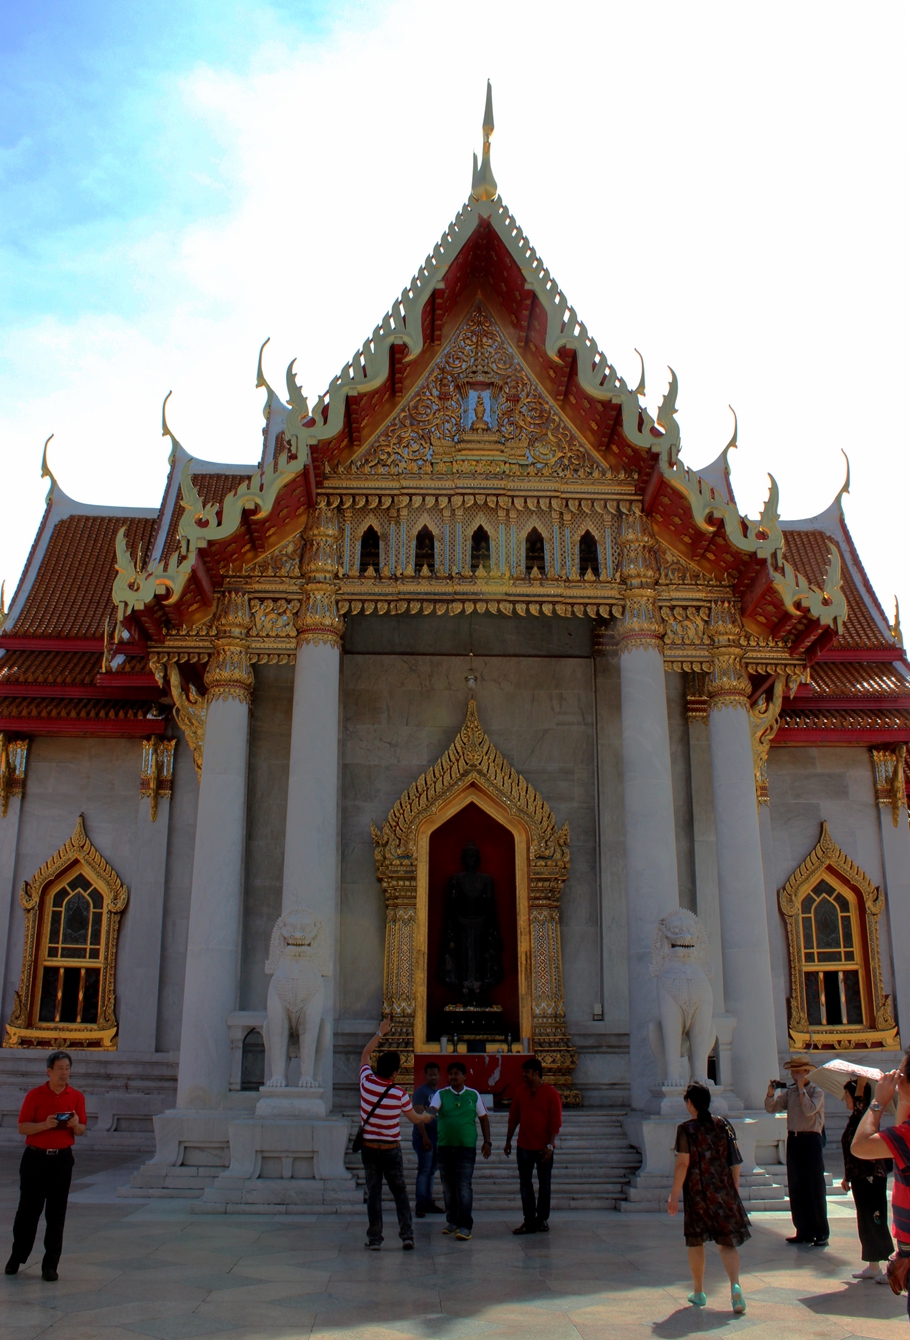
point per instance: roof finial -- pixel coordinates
(895, 627)
(47, 473)
(733, 442)
(845, 487)
(2, 605)
(166, 432)
(483, 185)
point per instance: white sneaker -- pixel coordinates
(882, 1278)
(872, 1271)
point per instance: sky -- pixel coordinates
(721, 186)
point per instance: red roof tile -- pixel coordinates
(807, 552)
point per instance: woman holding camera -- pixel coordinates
(707, 1174)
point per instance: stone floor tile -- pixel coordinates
(179, 1328)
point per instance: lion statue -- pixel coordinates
(684, 996)
(297, 963)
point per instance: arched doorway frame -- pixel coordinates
(472, 792)
(472, 768)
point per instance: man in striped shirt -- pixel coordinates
(893, 1142)
(382, 1103)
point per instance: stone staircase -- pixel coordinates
(594, 1163)
(762, 1189)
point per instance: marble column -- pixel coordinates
(740, 874)
(13, 756)
(311, 867)
(213, 939)
(652, 887)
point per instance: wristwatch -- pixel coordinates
(875, 1106)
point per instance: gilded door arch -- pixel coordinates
(473, 770)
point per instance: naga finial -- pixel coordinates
(895, 627)
(733, 442)
(640, 389)
(47, 473)
(845, 487)
(166, 432)
(483, 184)
(262, 381)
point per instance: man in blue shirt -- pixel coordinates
(423, 1138)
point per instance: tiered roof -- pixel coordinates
(800, 585)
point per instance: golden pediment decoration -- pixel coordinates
(471, 757)
(478, 412)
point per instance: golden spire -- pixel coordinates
(483, 186)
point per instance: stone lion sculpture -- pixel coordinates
(297, 963)
(684, 997)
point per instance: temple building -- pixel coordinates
(467, 666)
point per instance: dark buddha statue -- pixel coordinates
(470, 955)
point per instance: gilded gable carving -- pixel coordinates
(479, 412)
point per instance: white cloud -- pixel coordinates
(721, 186)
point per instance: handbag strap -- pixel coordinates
(369, 1116)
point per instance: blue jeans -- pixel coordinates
(387, 1164)
(426, 1171)
(456, 1170)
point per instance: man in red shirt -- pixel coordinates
(51, 1117)
(893, 1142)
(537, 1113)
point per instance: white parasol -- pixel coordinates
(833, 1075)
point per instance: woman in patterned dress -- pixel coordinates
(707, 1173)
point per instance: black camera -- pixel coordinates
(778, 1084)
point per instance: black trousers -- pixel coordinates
(806, 1183)
(538, 1212)
(379, 1164)
(870, 1196)
(456, 1168)
(44, 1184)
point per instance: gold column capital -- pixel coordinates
(319, 620)
(642, 625)
(728, 683)
(229, 673)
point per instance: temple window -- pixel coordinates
(252, 1065)
(832, 911)
(535, 553)
(425, 551)
(480, 550)
(66, 991)
(369, 551)
(588, 560)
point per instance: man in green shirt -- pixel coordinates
(458, 1110)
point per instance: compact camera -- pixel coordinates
(63, 1117)
(778, 1084)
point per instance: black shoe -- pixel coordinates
(820, 1242)
(798, 1239)
(433, 1209)
(543, 1227)
(12, 1266)
(49, 1275)
(407, 1245)
(420, 1214)
(373, 1246)
(524, 1228)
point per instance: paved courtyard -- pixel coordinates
(153, 1269)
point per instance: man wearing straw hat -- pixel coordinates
(804, 1104)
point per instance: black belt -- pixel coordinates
(37, 1149)
(804, 1132)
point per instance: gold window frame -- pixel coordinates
(828, 862)
(24, 1029)
(472, 769)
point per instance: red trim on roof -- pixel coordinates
(67, 726)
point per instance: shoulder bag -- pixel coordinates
(357, 1142)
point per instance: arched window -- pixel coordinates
(480, 550)
(369, 551)
(425, 551)
(252, 1064)
(831, 910)
(535, 554)
(588, 560)
(66, 990)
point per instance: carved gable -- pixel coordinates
(478, 412)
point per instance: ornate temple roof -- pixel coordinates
(800, 585)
